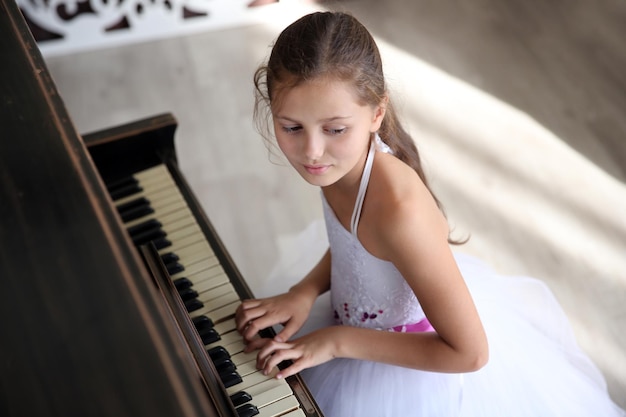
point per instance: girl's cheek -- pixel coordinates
(287, 147)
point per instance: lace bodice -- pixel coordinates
(366, 291)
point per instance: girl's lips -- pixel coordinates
(316, 169)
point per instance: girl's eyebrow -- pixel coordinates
(327, 120)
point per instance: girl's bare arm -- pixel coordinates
(290, 309)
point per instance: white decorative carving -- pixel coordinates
(90, 24)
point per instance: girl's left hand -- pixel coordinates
(305, 352)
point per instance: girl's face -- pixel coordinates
(324, 131)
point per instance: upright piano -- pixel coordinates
(117, 295)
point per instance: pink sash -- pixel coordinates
(421, 326)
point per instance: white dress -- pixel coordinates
(535, 368)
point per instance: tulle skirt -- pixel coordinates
(535, 368)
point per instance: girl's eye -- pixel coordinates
(291, 129)
(338, 131)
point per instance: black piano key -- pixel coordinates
(135, 209)
(202, 321)
(204, 326)
(170, 257)
(161, 243)
(136, 213)
(148, 236)
(240, 397)
(125, 191)
(193, 305)
(226, 367)
(188, 294)
(121, 183)
(247, 410)
(133, 204)
(174, 268)
(143, 226)
(230, 378)
(219, 361)
(218, 353)
(182, 283)
(209, 336)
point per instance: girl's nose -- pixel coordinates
(314, 147)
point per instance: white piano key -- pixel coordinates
(153, 191)
(213, 268)
(205, 280)
(218, 303)
(173, 222)
(280, 407)
(243, 357)
(165, 218)
(295, 413)
(247, 368)
(276, 393)
(272, 384)
(178, 206)
(226, 291)
(235, 347)
(144, 192)
(213, 308)
(188, 260)
(153, 172)
(193, 253)
(192, 229)
(155, 179)
(178, 224)
(166, 200)
(184, 242)
(150, 186)
(208, 278)
(225, 326)
(224, 313)
(251, 380)
(226, 339)
(268, 392)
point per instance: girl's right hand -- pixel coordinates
(290, 309)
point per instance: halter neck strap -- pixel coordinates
(365, 177)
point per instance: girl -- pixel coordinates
(411, 329)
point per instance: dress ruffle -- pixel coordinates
(535, 369)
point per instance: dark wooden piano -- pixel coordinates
(116, 294)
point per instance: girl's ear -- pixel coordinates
(379, 114)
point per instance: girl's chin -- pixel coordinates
(319, 180)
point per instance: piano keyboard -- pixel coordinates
(153, 209)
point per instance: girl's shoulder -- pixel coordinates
(394, 184)
(396, 200)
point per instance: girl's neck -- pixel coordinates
(341, 195)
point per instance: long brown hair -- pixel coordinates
(332, 45)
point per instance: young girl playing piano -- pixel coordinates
(412, 329)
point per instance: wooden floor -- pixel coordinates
(517, 108)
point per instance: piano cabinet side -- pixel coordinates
(82, 330)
